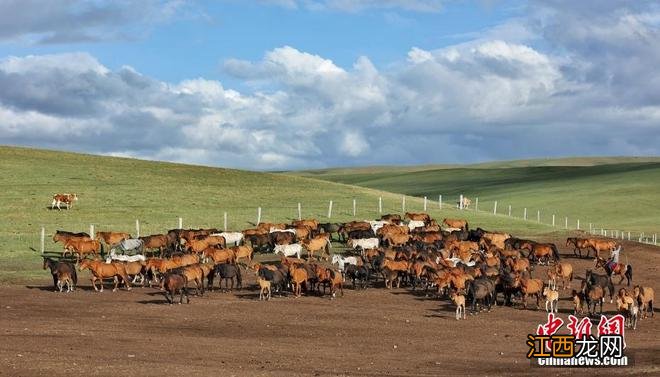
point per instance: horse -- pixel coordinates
(552, 298)
(219, 255)
(645, 297)
(601, 245)
(82, 247)
(63, 236)
(60, 267)
(578, 245)
(621, 269)
(241, 252)
(456, 223)
(193, 272)
(593, 294)
(627, 306)
(578, 302)
(424, 217)
(481, 289)
(529, 286)
(65, 279)
(228, 272)
(289, 250)
(330, 228)
(357, 274)
(363, 243)
(603, 281)
(112, 238)
(564, 271)
(298, 276)
(341, 261)
(459, 301)
(156, 241)
(320, 243)
(101, 270)
(173, 282)
(264, 288)
(235, 238)
(543, 250)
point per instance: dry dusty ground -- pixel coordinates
(374, 332)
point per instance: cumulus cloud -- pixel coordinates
(490, 98)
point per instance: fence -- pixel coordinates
(336, 210)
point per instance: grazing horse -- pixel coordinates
(603, 281)
(173, 282)
(66, 199)
(543, 250)
(621, 269)
(58, 268)
(101, 270)
(645, 297)
(579, 244)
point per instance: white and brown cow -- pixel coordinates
(67, 199)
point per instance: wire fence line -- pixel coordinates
(237, 217)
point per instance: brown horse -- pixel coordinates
(396, 239)
(219, 255)
(198, 244)
(601, 245)
(563, 271)
(456, 223)
(298, 277)
(321, 243)
(621, 269)
(645, 297)
(540, 251)
(518, 264)
(156, 241)
(112, 238)
(81, 247)
(531, 287)
(243, 252)
(101, 270)
(63, 236)
(579, 244)
(418, 216)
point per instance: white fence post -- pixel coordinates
(525, 214)
(628, 236)
(43, 239)
(425, 204)
(403, 204)
(440, 201)
(380, 204)
(299, 211)
(538, 216)
(258, 215)
(137, 228)
(476, 204)
(566, 222)
(460, 202)
(91, 231)
(224, 217)
(509, 211)
(354, 207)
(589, 227)
(578, 224)
(655, 239)
(553, 219)
(495, 208)
(330, 209)
(180, 223)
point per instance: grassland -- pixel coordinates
(114, 192)
(609, 192)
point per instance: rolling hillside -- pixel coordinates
(611, 193)
(114, 192)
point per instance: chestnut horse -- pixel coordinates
(112, 238)
(101, 270)
(578, 245)
(621, 269)
(601, 245)
(82, 247)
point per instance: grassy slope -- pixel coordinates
(608, 194)
(114, 192)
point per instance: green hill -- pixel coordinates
(114, 192)
(608, 192)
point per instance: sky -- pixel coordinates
(300, 84)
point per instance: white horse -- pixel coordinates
(363, 243)
(273, 230)
(341, 260)
(231, 237)
(415, 224)
(377, 224)
(289, 250)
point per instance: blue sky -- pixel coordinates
(276, 84)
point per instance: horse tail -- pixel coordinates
(555, 252)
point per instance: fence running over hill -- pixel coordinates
(342, 209)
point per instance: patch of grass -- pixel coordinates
(114, 192)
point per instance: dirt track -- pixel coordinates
(374, 332)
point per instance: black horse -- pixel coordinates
(228, 272)
(602, 281)
(357, 274)
(482, 289)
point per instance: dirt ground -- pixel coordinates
(376, 332)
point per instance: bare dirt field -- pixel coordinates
(376, 332)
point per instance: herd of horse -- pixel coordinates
(446, 259)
